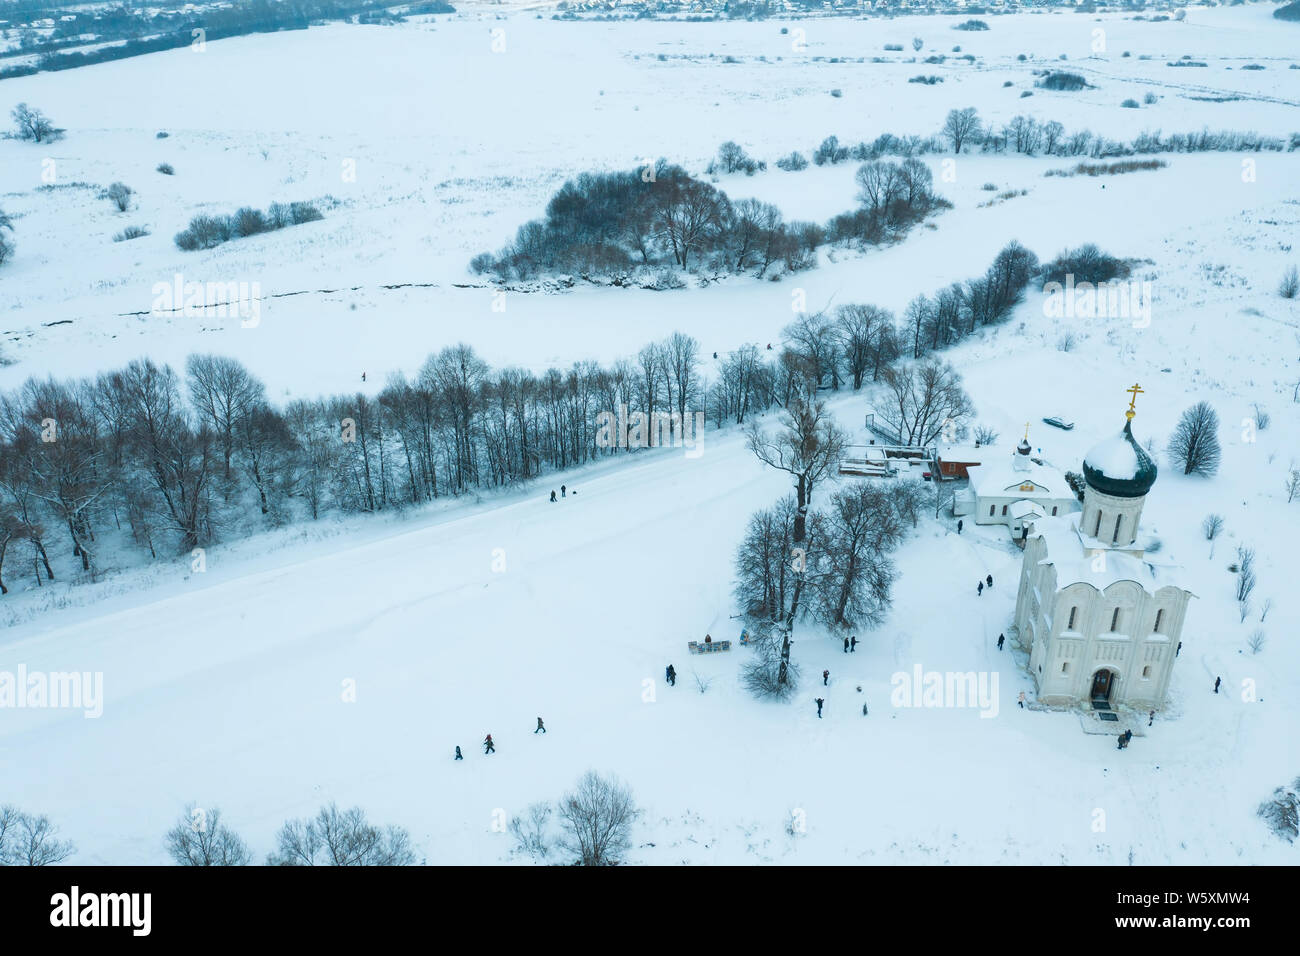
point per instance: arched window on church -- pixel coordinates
(1115, 538)
(1053, 511)
(1004, 511)
(1114, 620)
(1160, 615)
(991, 508)
(1096, 529)
(1074, 613)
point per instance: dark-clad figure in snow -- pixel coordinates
(671, 675)
(488, 746)
(820, 701)
(1217, 682)
(989, 579)
(959, 526)
(979, 589)
(563, 491)
(552, 495)
(1152, 720)
(853, 643)
(541, 727)
(826, 678)
(846, 645)
(459, 756)
(1001, 638)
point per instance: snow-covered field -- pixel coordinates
(226, 688)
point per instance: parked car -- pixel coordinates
(1059, 422)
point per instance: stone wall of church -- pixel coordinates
(1066, 654)
(1102, 511)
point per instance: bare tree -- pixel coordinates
(1292, 484)
(1210, 527)
(1257, 640)
(1265, 608)
(960, 126)
(1194, 445)
(337, 837)
(201, 839)
(922, 401)
(532, 832)
(597, 817)
(808, 445)
(32, 124)
(30, 840)
(1245, 573)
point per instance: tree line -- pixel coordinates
(618, 226)
(174, 460)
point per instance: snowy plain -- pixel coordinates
(224, 688)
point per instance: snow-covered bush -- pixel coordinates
(1194, 445)
(1281, 812)
(1290, 285)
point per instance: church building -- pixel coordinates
(1015, 491)
(1100, 619)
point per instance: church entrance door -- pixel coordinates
(1102, 683)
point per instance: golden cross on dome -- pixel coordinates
(1135, 391)
(1026, 431)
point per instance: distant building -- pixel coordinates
(1101, 620)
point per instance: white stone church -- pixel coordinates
(1100, 619)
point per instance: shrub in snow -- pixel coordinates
(1150, 98)
(792, 163)
(1129, 104)
(971, 25)
(1290, 286)
(119, 194)
(1059, 80)
(532, 832)
(131, 232)
(1087, 264)
(162, 134)
(166, 169)
(894, 47)
(1281, 812)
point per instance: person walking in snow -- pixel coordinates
(563, 491)
(488, 746)
(1021, 700)
(864, 708)
(671, 676)
(541, 727)
(1120, 746)
(826, 678)
(363, 376)
(1001, 638)
(459, 756)
(846, 645)
(820, 701)
(989, 579)
(853, 643)
(979, 589)
(1179, 649)
(552, 495)
(1128, 737)
(959, 526)
(1152, 720)
(1217, 682)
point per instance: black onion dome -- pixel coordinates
(1119, 466)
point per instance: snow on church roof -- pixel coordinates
(996, 478)
(1120, 466)
(1075, 565)
(1024, 507)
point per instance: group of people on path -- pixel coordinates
(979, 588)
(490, 747)
(564, 492)
(851, 644)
